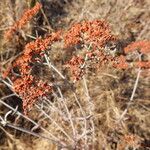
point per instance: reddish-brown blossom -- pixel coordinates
(28, 87)
(75, 65)
(34, 48)
(132, 141)
(93, 59)
(96, 32)
(27, 16)
(141, 46)
(121, 62)
(103, 59)
(143, 64)
(30, 90)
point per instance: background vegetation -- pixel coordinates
(115, 117)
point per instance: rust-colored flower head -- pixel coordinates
(121, 62)
(141, 46)
(96, 32)
(26, 17)
(28, 87)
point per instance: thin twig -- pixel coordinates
(90, 104)
(52, 66)
(32, 121)
(132, 95)
(67, 110)
(49, 117)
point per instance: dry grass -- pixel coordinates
(109, 89)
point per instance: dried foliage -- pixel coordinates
(88, 42)
(91, 37)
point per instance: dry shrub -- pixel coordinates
(70, 119)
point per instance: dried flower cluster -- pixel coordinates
(142, 64)
(96, 32)
(142, 48)
(90, 36)
(96, 57)
(27, 16)
(121, 62)
(130, 141)
(95, 60)
(30, 90)
(75, 65)
(34, 49)
(28, 87)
